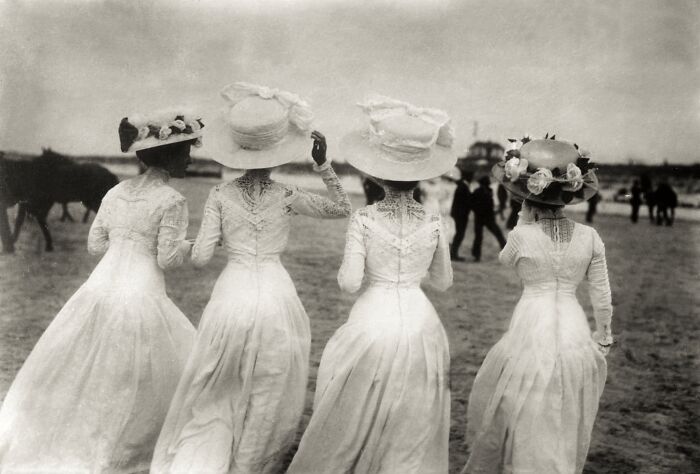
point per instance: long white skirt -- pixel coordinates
(93, 394)
(536, 395)
(239, 403)
(382, 402)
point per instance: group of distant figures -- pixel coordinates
(459, 200)
(663, 200)
(37, 184)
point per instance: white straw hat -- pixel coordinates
(260, 127)
(402, 142)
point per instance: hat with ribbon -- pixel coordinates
(402, 142)
(260, 127)
(547, 171)
(163, 127)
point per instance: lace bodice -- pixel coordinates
(547, 265)
(252, 214)
(395, 242)
(147, 213)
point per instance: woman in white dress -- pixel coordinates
(241, 398)
(382, 402)
(93, 394)
(535, 397)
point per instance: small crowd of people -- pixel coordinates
(661, 202)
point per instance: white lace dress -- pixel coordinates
(240, 401)
(536, 395)
(382, 402)
(93, 394)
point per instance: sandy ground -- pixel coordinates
(649, 420)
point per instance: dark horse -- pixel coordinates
(39, 183)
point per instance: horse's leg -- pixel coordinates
(40, 214)
(19, 220)
(90, 206)
(66, 215)
(8, 245)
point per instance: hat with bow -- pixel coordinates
(401, 142)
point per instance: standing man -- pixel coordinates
(666, 202)
(484, 216)
(515, 207)
(502, 195)
(592, 208)
(648, 192)
(461, 205)
(635, 200)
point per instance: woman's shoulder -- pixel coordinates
(170, 196)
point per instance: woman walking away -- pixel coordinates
(239, 403)
(93, 394)
(536, 395)
(382, 402)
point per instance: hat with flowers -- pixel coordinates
(548, 171)
(163, 127)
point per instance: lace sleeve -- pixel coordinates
(98, 237)
(510, 253)
(313, 205)
(440, 271)
(352, 269)
(599, 289)
(209, 232)
(172, 246)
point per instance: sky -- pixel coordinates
(621, 78)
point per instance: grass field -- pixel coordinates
(649, 420)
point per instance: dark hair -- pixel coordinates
(160, 156)
(401, 185)
(546, 207)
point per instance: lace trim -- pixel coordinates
(253, 186)
(559, 230)
(398, 207)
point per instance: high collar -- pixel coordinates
(260, 175)
(395, 196)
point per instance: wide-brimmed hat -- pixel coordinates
(547, 171)
(402, 142)
(260, 127)
(159, 128)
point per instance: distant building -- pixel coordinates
(481, 156)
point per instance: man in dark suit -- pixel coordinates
(484, 216)
(666, 202)
(461, 205)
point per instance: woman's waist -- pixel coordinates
(127, 268)
(250, 258)
(394, 283)
(554, 288)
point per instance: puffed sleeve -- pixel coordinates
(313, 205)
(599, 290)
(511, 252)
(172, 246)
(98, 237)
(210, 230)
(352, 269)
(440, 270)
